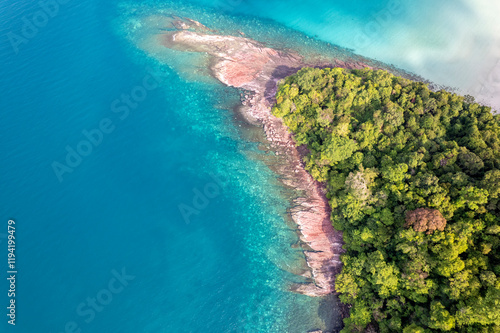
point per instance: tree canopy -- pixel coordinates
(413, 180)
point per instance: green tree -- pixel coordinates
(413, 180)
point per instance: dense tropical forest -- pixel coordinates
(413, 179)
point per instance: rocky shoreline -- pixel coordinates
(256, 69)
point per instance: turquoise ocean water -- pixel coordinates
(103, 244)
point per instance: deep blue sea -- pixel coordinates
(168, 220)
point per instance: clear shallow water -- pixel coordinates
(228, 270)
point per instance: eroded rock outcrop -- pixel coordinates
(249, 65)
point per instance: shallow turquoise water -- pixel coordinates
(228, 268)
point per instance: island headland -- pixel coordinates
(384, 159)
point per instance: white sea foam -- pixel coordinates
(451, 43)
(454, 43)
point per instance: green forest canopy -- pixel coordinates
(413, 179)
